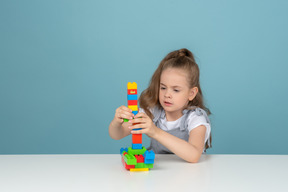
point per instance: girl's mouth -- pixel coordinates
(167, 103)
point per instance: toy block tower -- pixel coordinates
(133, 105)
(136, 158)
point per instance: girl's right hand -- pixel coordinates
(123, 112)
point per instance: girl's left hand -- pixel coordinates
(142, 120)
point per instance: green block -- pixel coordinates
(130, 159)
(143, 165)
(136, 151)
(125, 120)
(150, 166)
(139, 165)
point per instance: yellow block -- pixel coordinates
(131, 85)
(133, 107)
(139, 169)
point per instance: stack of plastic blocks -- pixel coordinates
(133, 105)
(137, 159)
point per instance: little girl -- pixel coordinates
(172, 112)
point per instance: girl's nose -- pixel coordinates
(167, 94)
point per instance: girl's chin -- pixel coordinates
(168, 109)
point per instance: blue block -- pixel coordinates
(132, 97)
(136, 146)
(135, 112)
(137, 129)
(123, 149)
(148, 161)
(149, 155)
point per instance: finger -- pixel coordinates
(136, 126)
(124, 108)
(137, 120)
(125, 115)
(141, 115)
(138, 131)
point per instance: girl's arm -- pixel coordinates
(118, 128)
(190, 151)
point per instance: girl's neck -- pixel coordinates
(173, 116)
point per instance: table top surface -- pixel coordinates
(104, 172)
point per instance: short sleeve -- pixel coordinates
(141, 110)
(195, 120)
(156, 112)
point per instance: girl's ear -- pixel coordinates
(193, 92)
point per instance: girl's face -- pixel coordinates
(175, 92)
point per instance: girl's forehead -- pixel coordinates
(174, 76)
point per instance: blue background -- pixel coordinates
(64, 66)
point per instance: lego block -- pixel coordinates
(133, 107)
(132, 91)
(149, 161)
(132, 97)
(136, 138)
(143, 165)
(132, 102)
(150, 166)
(130, 159)
(148, 154)
(140, 158)
(137, 146)
(127, 166)
(125, 120)
(136, 151)
(140, 165)
(122, 150)
(149, 157)
(131, 85)
(135, 112)
(139, 169)
(137, 129)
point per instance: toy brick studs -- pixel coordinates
(137, 158)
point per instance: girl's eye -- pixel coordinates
(176, 90)
(162, 88)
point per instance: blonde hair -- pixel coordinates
(180, 59)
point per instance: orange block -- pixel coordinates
(136, 138)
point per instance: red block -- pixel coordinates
(136, 138)
(132, 91)
(140, 158)
(132, 102)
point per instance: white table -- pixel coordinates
(105, 173)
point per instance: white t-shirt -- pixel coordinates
(193, 119)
